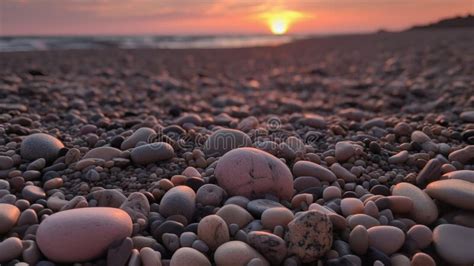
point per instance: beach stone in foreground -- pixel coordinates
(152, 153)
(424, 209)
(269, 245)
(467, 175)
(457, 192)
(252, 173)
(83, 234)
(213, 230)
(236, 253)
(40, 145)
(387, 239)
(454, 243)
(178, 200)
(189, 256)
(10, 248)
(9, 215)
(309, 235)
(224, 140)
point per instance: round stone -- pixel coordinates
(269, 245)
(454, 243)
(344, 150)
(224, 140)
(309, 235)
(424, 209)
(178, 200)
(359, 240)
(9, 215)
(213, 230)
(421, 235)
(307, 168)
(189, 256)
(456, 192)
(387, 239)
(10, 249)
(350, 206)
(236, 253)
(331, 192)
(276, 216)
(210, 194)
(234, 214)
(82, 234)
(422, 259)
(144, 134)
(6, 162)
(253, 173)
(152, 153)
(40, 145)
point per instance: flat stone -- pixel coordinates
(456, 192)
(467, 116)
(236, 253)
(350, 206)
(253, 173)
(224, 140)
(454, 243)
(344, 151)
(307, 168)
(152, 153)
(33, 193)
(104, 153)
(189, 256)
(424, 209)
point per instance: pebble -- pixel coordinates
(422, 259)
(399, 158)
(33, 193)
(119, 252)
(456, 192)
(9, 215)
(424, 209)
(463, 155)
(109, 198)
(137, 206)
(151, 153)
(150, 257)
(359, 240)
(252, 173)
(454, 243)
(40, 145)
(178, 200)
(236, 253)
(421, 235)
(466, 175)
(81, 234)
(388, 239)
(342, 173)
(210, 194)
(144, 134)
(224, 140)
(350, 206)
(467, 116)
(400, 260)
(213, 230)
(6, 162)
(309, 236)
(234, 214)
(189, 256)
(104, 153)
(269, 245)
(307, 168)
(362, 219)
(258, 206)
(276, 216)
(314, 121)
(344, 151)
(331, 192)
(10, 248)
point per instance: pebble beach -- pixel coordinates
(343, 150)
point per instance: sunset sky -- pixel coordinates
(120, 17)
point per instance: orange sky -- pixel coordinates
(117, 17)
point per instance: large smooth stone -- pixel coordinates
(9, 215)
(82, 234)
(40, 145)
(467, 175)
(189, 256)
(236, 253)
(309, 235)
(137, 206)
(307, 168)
(387, 239)
(457, 192)
(213, 230)
(178, 200)
(152, 153)
(104, 153)
(224, 140)
(269, 245)
(454, 243)
(10, 249)
(424, 209)
(253, 173)
(144, 134)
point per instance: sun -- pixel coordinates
(279, 21)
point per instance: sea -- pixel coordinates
(45, 43)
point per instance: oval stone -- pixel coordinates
(424, 209)
(224, 140)
(152, 153)
(189, 256)
(213, 230)
(456, 192)
(253, 173)
(454, 243)
(387, 239)
(104, 153)
(9, 215)
(178, 200)
(40, 145)
(144, 134)
(307, 168)
(236, 253)
(82, 234)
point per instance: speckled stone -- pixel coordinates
(269, 245)
(309, 235)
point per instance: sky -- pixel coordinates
(181, 17)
